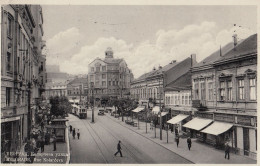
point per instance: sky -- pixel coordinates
(145, 36)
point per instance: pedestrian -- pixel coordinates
(54, 143)
(176, 130)
(118, 149)
(177, 140)
(171, 128)
(189, 142)
(227, 150)
(70, 128)
(42, 144)
(78, 133)
(151, 125)
(73, 133)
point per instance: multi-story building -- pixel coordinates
(54, 74)
(55, 89)
(109, 77)
(19, 72)
(224, 91)
(178, 96)
(78, 89)
(150, 86)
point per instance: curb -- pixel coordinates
(152, 140)
(68, 145)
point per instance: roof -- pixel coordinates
(215, 56)
(181, 83)
(112, 60)
(144, 76)
(163, 69)
(247, 46)
(78, 80)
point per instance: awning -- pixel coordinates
(163, 114)
(177, 118)
(156, 110)
(217, 128)
(138, 109)
(197, 123)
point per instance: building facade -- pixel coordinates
(109, 77)
(78, 89)
(55, 89)
(224, 90)
(19, 73)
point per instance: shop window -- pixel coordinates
(8, 97)
(252, 88)
(241, 90)
(229, 90)
(222, 92)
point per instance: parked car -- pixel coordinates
(101, 112)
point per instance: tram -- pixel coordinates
(79, 111)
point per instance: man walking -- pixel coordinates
(54, 143)
(177, 140)
(227, 150)
(119, 149)
(189, 142)
(42, 143)
(78, 133)
(73, 133)
(70, 128)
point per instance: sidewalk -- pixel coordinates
(60, 156)
(199, 154)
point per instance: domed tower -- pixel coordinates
(109, 52)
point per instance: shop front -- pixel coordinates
(177, 122)
(10, 137)
(218, 133)
(196, 125)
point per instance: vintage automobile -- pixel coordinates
(101, 112)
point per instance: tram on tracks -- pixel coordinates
(80, 111)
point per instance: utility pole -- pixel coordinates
(160, 108)
(93, 104)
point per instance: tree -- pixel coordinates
(60, 105)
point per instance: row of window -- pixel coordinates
(178, 99)
(98, 69)
(226, 89)
(8, 92)
(149, 93)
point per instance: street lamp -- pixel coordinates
(161, 76)
(93, 103)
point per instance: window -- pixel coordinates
(103, 68)
(92, 69)
(210, 89)
(9, 27)
(182, 101)
(222, 91)
(97, 69)
(91, 78)
(252, 89)
(113, 82)
(189, 99)
(109, 83)
(103, 83)
(8, 97)
(196, 90)
(241, 90)
(229, 90)
(103, 76)
(186, 99)
(8, 61)
(202, 91)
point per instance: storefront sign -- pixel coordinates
(244, 120)
(224, 117)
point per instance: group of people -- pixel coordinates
(73, 131)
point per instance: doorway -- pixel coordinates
(246, 141)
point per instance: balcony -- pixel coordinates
(201, 105)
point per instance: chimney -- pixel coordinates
(174, 61)
(160, 67)
(154, 68)
(235, 39)
(193, 59)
